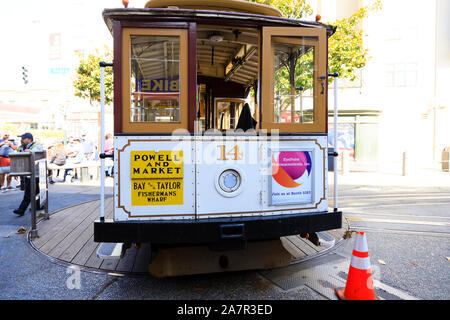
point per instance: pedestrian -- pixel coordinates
(28, 145)
(7, 146)
(88, 146)
(75, 154)
(58, 156)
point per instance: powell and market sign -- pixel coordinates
(157, 85)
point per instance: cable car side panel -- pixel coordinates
(188, 177)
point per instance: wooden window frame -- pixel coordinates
(154, 127)
(320, 69)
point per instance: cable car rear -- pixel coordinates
(220, 125)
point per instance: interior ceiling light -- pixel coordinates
(216, 38)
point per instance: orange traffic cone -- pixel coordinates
(359, 281)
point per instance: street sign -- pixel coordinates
(157, 178)
(59, 70)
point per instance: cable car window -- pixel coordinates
(155, 78)
(293, 83)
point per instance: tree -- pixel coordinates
(87, 82)
(345, 47)
(346, 52)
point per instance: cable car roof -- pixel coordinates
(223, 5)
(260, 15)
(210, 13)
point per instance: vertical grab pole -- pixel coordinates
(102, 138)
(102, 141)
(335, 114)
(301, 104)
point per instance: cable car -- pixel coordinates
(220, 126)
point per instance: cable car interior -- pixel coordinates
(228, 69)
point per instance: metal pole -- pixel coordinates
(335, 114)
(102, 142)
(301, 105)
(404, 163)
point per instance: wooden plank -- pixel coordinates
(50, 230)
(85, 252)
(70, 252)
(293, 250)
(73, 243)
(72, 224)
(44, 226)
(74, 234)
(67, 251)
(301, 245)
(126, 263)
(90, 247)
(142, 258)
(93, 261)
(310, 244)
(60, 220)
(288, 239)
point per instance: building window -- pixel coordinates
(401, 75)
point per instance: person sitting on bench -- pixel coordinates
(74, 155)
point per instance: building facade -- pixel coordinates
(401, 102)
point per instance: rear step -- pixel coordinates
(325, 239)
(110, 251)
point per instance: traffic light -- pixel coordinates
(25, 74)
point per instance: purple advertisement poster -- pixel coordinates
(291, 180)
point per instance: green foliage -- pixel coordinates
(346, 52)
(87, 82)
(294, 9)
